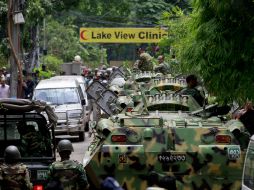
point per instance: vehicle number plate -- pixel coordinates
(234, 153)
(42, 174)
(169, 157)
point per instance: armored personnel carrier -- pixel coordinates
(180, 149)
(183, 153)
(167, 140)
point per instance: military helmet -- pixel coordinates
(64, 145)
(145, 57)
(11, 153)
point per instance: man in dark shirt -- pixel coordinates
(247, 117)
(191, 89)
(29, 86)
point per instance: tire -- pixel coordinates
(81, 136)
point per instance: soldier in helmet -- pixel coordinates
(14, 175)
(70, 173)
(162, 67)
(32, 142)
(145, 62)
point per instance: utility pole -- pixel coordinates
(15, 35)
(15, 18)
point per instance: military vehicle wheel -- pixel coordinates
(81, 136)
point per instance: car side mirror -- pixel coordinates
(83, 102)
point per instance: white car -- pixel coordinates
(66, 97)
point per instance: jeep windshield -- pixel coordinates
(58, 96)
(29, 133)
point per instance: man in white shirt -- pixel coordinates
(4, 89)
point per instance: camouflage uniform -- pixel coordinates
(32, 144)
(70, 173)
(14, 177)
(162, 68)
(145, 62)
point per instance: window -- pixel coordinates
(58, 96)
(12, 131)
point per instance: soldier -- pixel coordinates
(247, 117)
(32, 143)
(70, 173)
(162, 67)
(14, 175)
(145, 62)
(193, 89)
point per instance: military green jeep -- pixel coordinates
(22, 125)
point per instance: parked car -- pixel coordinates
(66, 97)
(17, 120)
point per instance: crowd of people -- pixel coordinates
(30, 80)
(146, 62)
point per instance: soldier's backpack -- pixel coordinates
(67, 173)
(14, 177)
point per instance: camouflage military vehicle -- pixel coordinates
(22, 125)
(180, 148)
(166, 140)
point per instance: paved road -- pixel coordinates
(79, 149)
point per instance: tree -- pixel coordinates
(219, 46)
(63, 42)
(177, 22)
(3, 41)
(53, 63)
(149, 12)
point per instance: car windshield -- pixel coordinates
(249, 167)
(58, 96)
(31, 136)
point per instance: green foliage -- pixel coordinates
(53, 63)
(219, 47)
(149, 12)
(3, 60)
(3, 32)
(34, 12)
(63, 42)
(177, 23)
